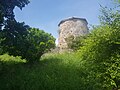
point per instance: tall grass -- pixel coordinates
(53, 72)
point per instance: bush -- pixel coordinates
(54, 72)
(102, 55)
(18, 39)
(12, 38)
(101, 51)
(39, 42)
(75, 43)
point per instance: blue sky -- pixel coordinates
(46, 14)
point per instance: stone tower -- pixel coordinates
(71, 27)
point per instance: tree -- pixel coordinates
(7, 30)
(7, 7)
(75, 43)
(18, 39)
(39, 42)
(13, 38)
(29, 43)
(9, 27)
(101, 51)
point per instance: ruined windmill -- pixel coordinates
(71, 27)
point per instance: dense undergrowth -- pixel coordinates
(53, 72)
(94, 66)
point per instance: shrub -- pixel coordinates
(75, 43)
(101, 51)
(18, 39)
(39, 42)
(102, 55)
(13, 38)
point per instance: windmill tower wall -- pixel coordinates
(71, 27)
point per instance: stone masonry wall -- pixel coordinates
(71, 27)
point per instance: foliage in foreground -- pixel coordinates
(53, 72)
(102, 55)
(39, 42)
(75, 43)
(102, 51)
(30, 44)
(6, 10)
(19, 39)
(13, 38)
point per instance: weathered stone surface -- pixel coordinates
(71, 27)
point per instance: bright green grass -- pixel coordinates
(53, 72)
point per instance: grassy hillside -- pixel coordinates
(53, 72)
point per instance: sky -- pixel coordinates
(46, 14)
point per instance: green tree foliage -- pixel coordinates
(10, 29)
(75, 43)
(6, 9)
(101, 51)
(12, 38)
(8, 24)
(31, 44)
(17, 38)
(39, 43)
